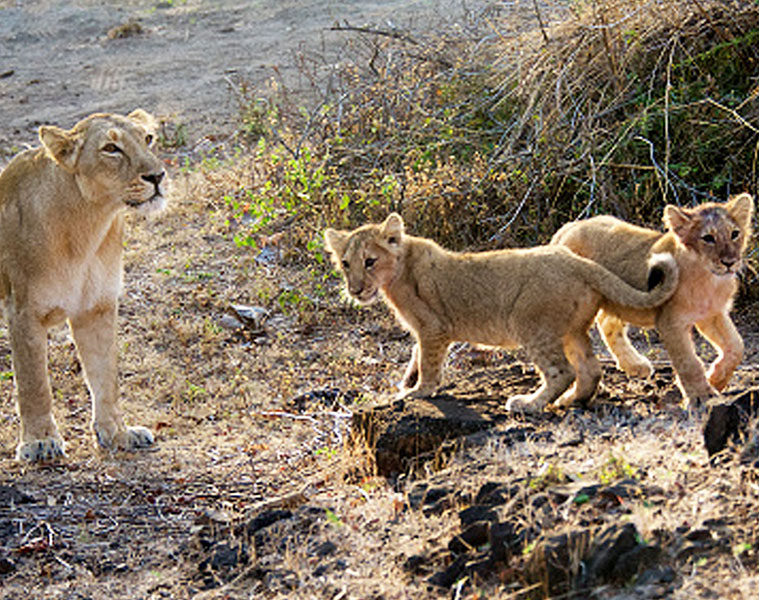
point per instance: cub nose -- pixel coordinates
(154, 178)
(728, 262)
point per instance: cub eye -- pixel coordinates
(735, 235)
(346, 266)
(709, 238)
(111, 149)
(369, 262)
(148, 139)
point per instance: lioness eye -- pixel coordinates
(735, 234)
(709, 238)
(346, 266)
(111, 149)
(148, 139)
(369, 262)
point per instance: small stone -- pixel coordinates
(471, 538)
(728, 421)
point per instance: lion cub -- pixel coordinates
(61, 228)
(543, 299)
(707, 243)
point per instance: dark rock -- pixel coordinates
(266, 519)
(450, 575)
(656, 575)
(471, 538)
(414, 563)
(618, 554)
(7, 566)
(433, 501)
(325, 549)
(475, 513)
(633, 562)
(608, 548)
(555, 562)
(504, 540)
(729, 421)
(406, 433)
(281, 580)
(578, 561)
(10, 495)
(496, 493)
(227, 555)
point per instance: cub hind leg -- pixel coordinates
(556, 373)
(614, 332)
(587, 370)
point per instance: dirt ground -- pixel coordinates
(252, 490)
(58, 63)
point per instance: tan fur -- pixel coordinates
(543, 299)
(61, 224)
(707, 243)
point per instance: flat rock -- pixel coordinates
(403, 434)
(729, 420)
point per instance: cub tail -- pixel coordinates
(663, 276)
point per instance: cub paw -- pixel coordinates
(642, 369)
(522, 403)
(39, 450)
(131, 438)
(415, 393)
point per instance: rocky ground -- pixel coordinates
(283, 468)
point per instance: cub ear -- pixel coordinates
(392, 228)
(335, 241)
(741, 209)
(63, 146)
(677, 220)
(144, 119)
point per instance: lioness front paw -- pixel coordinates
(524, 403)
(131, 438)
(38, 450)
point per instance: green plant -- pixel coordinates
(616, 468)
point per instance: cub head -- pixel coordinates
(718, 232)
(368, 257)
(110, 157)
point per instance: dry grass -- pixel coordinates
(487, 136)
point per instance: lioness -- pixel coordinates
(543, 299)
(61, 226)
(707, 243)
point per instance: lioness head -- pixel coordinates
(368, 256)
(717, 232)
(110, 157)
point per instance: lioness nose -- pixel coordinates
(728, 262)
(154, 178)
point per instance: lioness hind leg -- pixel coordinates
(39, 439)
(587, 370)
(94, 334)
(721, 333)
(614, 332)
(556, 373)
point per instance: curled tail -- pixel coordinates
(662, 282)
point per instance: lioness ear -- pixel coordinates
(144, 119)
(63, 146)
(335, 241)
(741, 209)
(677, 220)
(392, 228)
